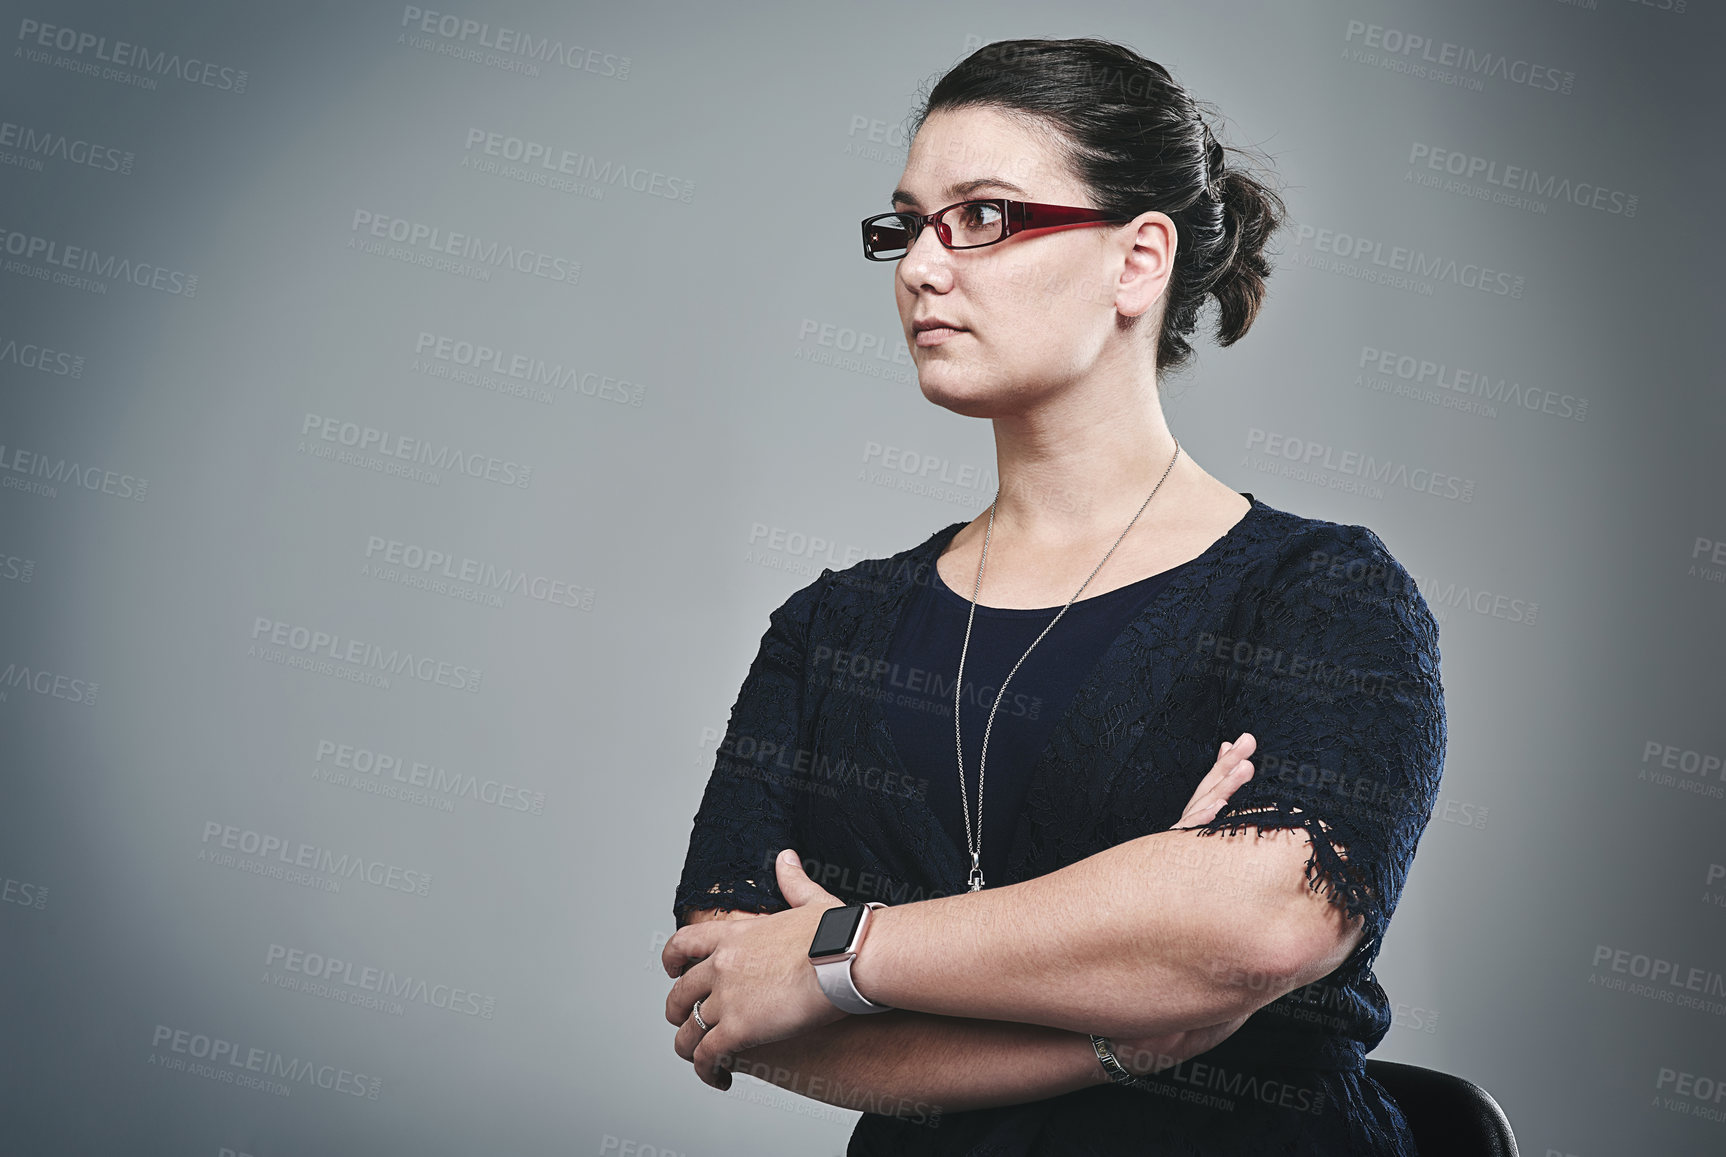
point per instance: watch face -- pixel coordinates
(834, 933)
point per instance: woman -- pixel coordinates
(1080, 967)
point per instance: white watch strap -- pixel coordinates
(835, 980)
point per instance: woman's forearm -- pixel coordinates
(916, 1065)
(919, 1065)
(1132, 940)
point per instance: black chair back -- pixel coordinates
(1450, 1116)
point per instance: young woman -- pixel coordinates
(1077, 967)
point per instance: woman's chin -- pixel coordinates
(945, 380)
(970, 399)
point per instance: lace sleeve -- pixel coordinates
(745, 815)
(1337, 675)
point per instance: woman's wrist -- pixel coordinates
(1091, 1067)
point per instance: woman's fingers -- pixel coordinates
(1231, 769)
(1203, 810)
(1228, 756)
(689, 1033)
(1219, 768)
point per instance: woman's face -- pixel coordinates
(1037, 312)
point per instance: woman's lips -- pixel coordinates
(933, 337)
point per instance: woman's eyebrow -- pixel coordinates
(962, 190)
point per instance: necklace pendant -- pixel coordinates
(975, 880)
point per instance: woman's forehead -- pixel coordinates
(953, 159)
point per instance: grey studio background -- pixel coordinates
(412, 414)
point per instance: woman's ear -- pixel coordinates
(1148, 264)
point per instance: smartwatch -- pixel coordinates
(835, 945)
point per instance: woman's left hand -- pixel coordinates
(753, 977)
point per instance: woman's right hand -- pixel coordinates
(1226, 775)
(701, 914)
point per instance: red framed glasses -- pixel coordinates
(971, 224)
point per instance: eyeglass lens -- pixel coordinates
(967, 225)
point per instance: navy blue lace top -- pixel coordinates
(1307, 633)
(923, 662)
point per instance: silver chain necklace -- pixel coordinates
(975, 880)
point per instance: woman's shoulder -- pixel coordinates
(856, 589)
(1311, 569)
(1295, 546)
(886, 573)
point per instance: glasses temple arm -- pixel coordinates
(1029, 215)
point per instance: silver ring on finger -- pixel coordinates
(696, 1013)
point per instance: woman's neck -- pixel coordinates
(1068, 499)
(1069, 479)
